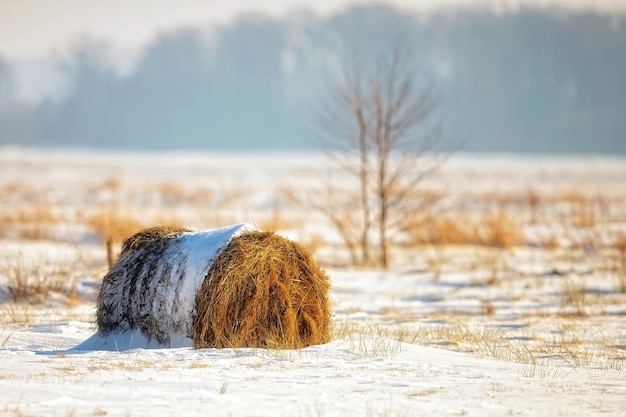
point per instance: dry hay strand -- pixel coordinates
(150, 234)
(262, 291)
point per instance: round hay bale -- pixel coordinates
(227, 287)
(262, 291)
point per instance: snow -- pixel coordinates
(131, 339)
(200, 250)
(57, 368)
(369, 376)
(406, 342)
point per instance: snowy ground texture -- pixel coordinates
(527, 330)
(341, 378)
(368, 373)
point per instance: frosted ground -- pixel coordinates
(525, 325)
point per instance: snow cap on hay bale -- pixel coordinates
(233, 286)
(262, 291)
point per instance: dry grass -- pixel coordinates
(499, 230)
(30, 282)
(36, 213)
(113, 224)
(5, 336)
(15, 410)
(575, 294)
(533, 202)
(262, 291)
(32, 222)
(583, 210)
(620, 245)
(171, 192)
(369, 339)
(131, 363)
(436, 261)
(16, 313)
(276, 221)
(460, 336)
(571, 344)
(382, 341)
(490, 265)
(494, 229)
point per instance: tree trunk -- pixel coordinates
(382, 215)
(364, 179)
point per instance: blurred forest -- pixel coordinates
(525, 81)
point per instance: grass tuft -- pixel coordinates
(114, 225)
(32, 283)
(493, 229)
(575, 294)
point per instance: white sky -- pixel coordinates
(35, 28)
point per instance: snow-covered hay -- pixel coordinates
(263, 291)
(228, 287)
(152, 233)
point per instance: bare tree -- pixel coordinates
(374, 126)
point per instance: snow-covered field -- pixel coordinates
(533, 328)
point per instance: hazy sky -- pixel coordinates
(35, 28)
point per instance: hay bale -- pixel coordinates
(228, 287)
(262, 291)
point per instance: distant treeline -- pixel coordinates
(525, 81)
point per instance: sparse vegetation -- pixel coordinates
(575, 294)
(31, 282)
(620, 245)
(372, 340)
(114, 224)
(575, 345)
(16, 313)
(30, 222)
(495, 229)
